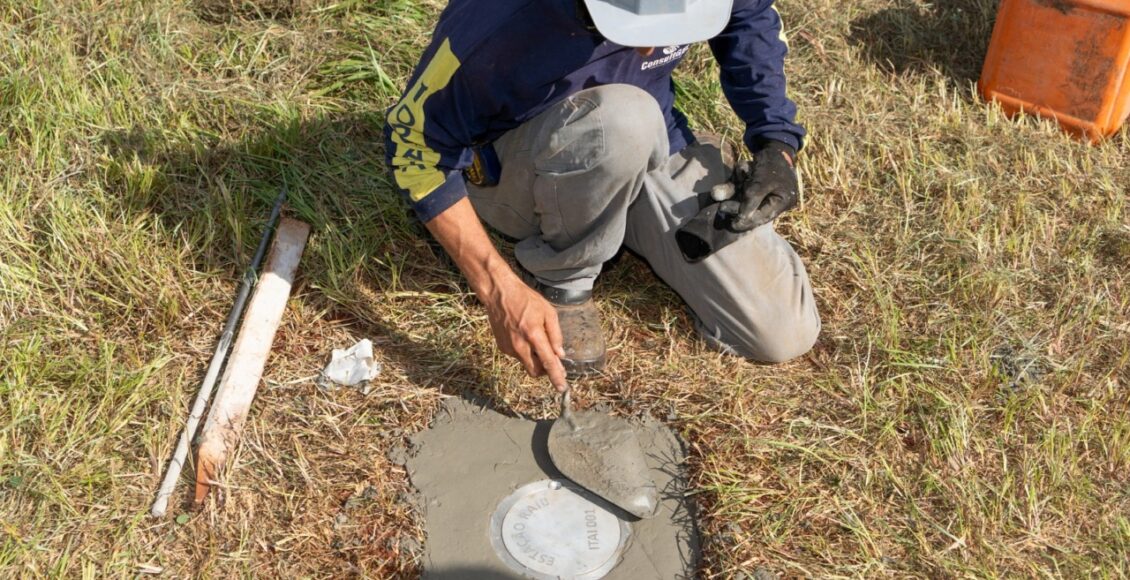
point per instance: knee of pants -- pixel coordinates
(777, 336)
(616, 129)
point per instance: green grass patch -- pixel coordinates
(965, 413)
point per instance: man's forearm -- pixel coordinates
(462, 235)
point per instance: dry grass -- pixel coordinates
(966, 413)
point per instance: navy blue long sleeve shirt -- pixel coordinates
(491, 66)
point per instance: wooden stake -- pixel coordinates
(245, 366)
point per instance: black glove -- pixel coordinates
(709, 231)
(767, 186)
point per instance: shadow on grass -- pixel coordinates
(950, 37)
(372, 263)
(225, 11)
(374, 266)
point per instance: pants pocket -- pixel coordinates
(575, 142)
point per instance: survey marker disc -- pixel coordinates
(551, 529)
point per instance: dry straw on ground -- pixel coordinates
(965, 414)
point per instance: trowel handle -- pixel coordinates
(567, 403)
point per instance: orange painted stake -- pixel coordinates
(1064, 59)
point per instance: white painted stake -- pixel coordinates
(245, 366)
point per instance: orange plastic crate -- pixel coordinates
(1065, 59)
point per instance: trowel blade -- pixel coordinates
(602, 454)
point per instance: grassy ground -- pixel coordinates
(965, 414)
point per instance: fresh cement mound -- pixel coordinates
(467, 467)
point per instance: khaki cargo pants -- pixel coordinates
(593, 172)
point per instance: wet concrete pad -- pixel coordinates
(472, 459)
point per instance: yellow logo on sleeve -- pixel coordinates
(414, 162)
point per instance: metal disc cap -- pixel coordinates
(550, 530)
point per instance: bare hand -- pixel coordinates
(525, 326)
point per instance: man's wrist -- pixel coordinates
(759, 142)
(461, 234)
(492, 278)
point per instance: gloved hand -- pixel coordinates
(767, 186)
(761, 190)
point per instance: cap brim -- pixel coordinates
(628, 29)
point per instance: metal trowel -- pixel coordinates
(602, 454)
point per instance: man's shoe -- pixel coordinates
(580, 328)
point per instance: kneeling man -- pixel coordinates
(553, 121)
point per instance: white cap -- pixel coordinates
(659, 22)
